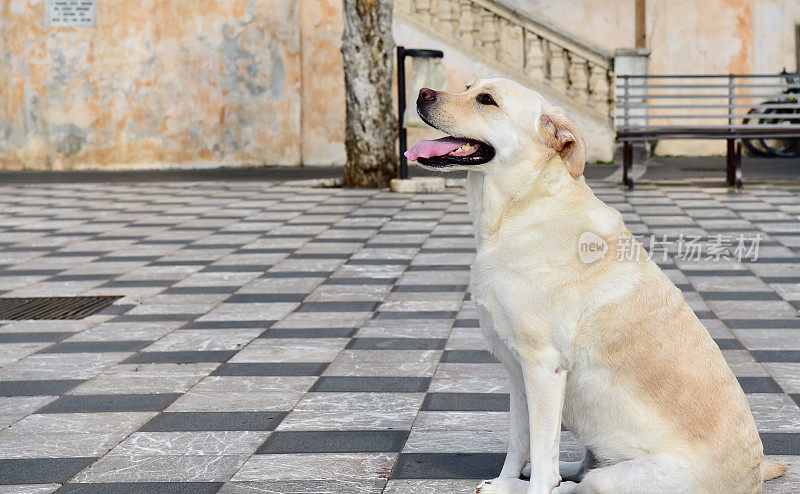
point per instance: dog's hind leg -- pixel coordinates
(656, 474)
(503, 486)
(570, 470)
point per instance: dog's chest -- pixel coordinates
(515, 298)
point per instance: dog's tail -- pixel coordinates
(772, 469)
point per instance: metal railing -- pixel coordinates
(763, 101)
(552, 61)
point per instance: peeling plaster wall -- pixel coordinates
(156, 83)
(251, 82)
(323, 106)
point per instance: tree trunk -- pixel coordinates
(367, 49)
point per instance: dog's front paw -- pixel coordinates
(502, 486)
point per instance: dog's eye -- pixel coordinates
(486, 99)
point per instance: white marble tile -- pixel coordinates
(15, 443)
(191, 443)
(102, 423)
(162, 468)
(305, 466)
(221, 401)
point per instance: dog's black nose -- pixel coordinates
(427, 95)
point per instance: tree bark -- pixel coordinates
(371, 127)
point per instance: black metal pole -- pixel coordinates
(401, 108)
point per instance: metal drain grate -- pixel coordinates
(17, 309)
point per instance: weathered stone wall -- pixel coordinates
(250, 82)
(322, 85)
(157, 82)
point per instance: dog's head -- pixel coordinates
(492, 123)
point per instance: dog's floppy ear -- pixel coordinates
(562, 135)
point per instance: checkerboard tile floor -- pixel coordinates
(274, 337)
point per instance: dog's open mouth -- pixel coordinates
(449, 151)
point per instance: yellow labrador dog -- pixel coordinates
(609, 347)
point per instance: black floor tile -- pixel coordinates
(262, 324)
(110, 403)
(249, 298)
(32, 337)
(419, 314)
(759, 385)
(429, 288)
(729, 344)
(439, 267)
(117, 309)
(468, 357)
(360, 281)
(41, 470)
(180, 357)
(338, 307)
(142, 488)
(155, 317)
(333, 442)
(309, 333)
(780, 279)
(193, 262)
(396, 344)
(212, 247)
(29, 272)
(81, 277)
(270, 369)
(776, 355)
(96, 346)
(716, 272)
(138, 283)
(264, 251)
(762, 323)
(466, 402)
(214, 421)
(378, 262)
(235, 268)
(199, 290)
(372, 384)
(77, 253)
(330, 255)
(37, 388)
(740, 295)
(448, 465)
(296, 274)
(780, 443)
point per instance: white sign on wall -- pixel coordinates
(81, 13)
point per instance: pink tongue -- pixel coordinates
(439, 147)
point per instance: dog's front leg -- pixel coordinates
(544, 381)
(518, 435)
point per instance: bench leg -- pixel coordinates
(738, 173)
(733, 166)
(627, 164)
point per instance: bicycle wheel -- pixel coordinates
(755, 146)
(785, 147)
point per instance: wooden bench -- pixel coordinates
(730, 107)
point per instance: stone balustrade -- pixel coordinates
(526, 49)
